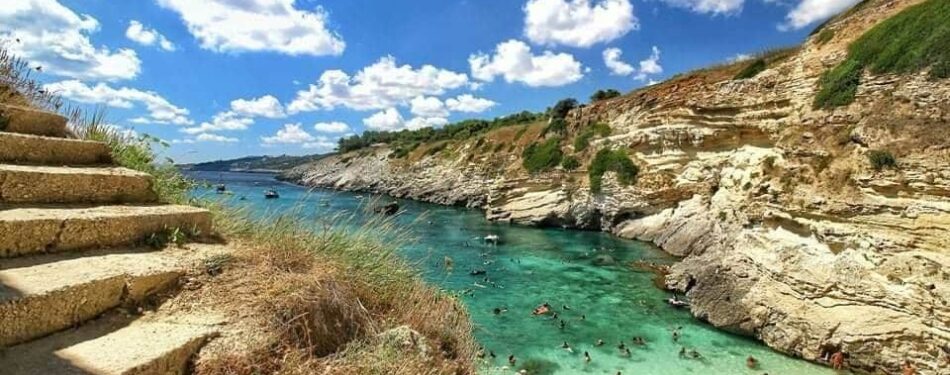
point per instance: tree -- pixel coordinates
(562, 107)
(604, 95)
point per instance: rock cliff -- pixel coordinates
(787, 233)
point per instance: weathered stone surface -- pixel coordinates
(45, 294)
(24, 120)
(786, 231)
(37, 150)
(37, 230)
(40, 184)
(113, 345)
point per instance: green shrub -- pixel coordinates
(570, 163)
(583, 139)
(752, 70)
(825, 36)
(913, 40)
(557, 126)
(542, 156)
(562, 107)
(604, 95)
(616, 161)
(881, 159)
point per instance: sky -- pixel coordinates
(220, 79)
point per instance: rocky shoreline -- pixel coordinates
(786, 232)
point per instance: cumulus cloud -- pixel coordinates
(56, 38)
(615, 64)
(650, 66)
(428, 107)
(469, 103)
(710, 6)
(577, 23)
(321, 144)
(426, 122)
(205, 137)
(386, 120)
(811, 11)
(379, 86)
(221, 122)
(258, 25)
(514, 61)
(265, 106)
(289, 134)
(160, 110)
(331, 127)
(147, 37)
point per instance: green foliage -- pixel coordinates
(583, 139)
(557, 126)
(881, 159)
(170, 236)
(912, 40)
(839, 85)
(408, 140)
(616, 161)
(825, 36)
(539, 157)
(752, 70)
(561, 109)
(570, 163)
(604, 95)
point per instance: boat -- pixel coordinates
(271, 194)
(221, 189)
(492, 239)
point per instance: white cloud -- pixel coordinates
(710, 6)
(160, 110)
(428, 107)
(265, 106)
(811, 11)
(321, 144)
(147, 37)
(740, 57)
(205, 137)
(258, 25)
(426, 122)
(378, 86)
(577, 23)
(290, 134)
(650, 66)
(56, 38)
(386, 120)
(514, 61)
(617, 66)
(221, 121)
(469, 103)
(331, 127)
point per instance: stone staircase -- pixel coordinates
(73, 273)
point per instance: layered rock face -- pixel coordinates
(787, 232)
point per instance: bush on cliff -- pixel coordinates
(583, 139)
(570, 163)
(604, 95)
(752, 70)
(563, 107)
(913, 40)
(612, 161)
(538, 157)
(881, 159)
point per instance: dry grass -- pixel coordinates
(319, 301)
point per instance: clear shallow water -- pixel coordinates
(534, 266)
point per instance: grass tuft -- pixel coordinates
(752, 70)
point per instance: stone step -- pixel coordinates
(112, 345)
(46, 294)
(36, 230)
(38, 150)
(24, 120)
(41, 184)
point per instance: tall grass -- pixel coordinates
(915, 39)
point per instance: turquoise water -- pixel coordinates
(608, 300)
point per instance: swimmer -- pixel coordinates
(621, 346)
(562, 325)
(583, 317)
(694, 354)
(586, 357)
(567, 347)
(751, 362)
(512, 360)
(491, 353)
(600, 342)
(682, 352)
(566, 307)
(626, 352)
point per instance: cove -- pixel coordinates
(589, 272)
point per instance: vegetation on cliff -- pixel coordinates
(542, 156)
(752, 70)
(915, 39)
(617, 161)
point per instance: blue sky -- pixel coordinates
(230, 78)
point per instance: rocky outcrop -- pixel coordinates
(787, 233)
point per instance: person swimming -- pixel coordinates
(682, 352)
(562, 325)
(567, 347)
(566, 307)
(600, 342)
(751, 362)
(491, 353)
(621, 346)
(626, 352)
(586, 357)
(583, 317)
(694, 354)
(511, 360)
